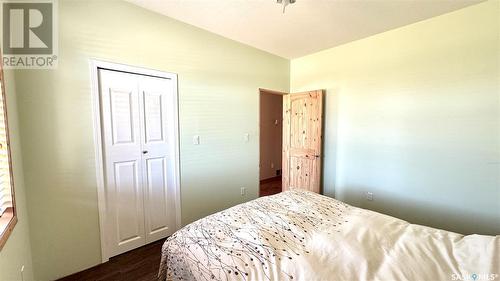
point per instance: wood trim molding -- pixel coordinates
(4, 235)
(272, 92)
(285, 162)
(7, 224)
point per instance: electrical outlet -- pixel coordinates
(243, 191)
(369, 196)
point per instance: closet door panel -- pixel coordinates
(156, 94)
(128, 202)
(120, 117)
(157, 195)
(153, 117)
(139, 150)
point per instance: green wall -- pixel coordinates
(17, 251)
(218, 92)
(413, 116)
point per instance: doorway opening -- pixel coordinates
(291, 128)
(270, 141)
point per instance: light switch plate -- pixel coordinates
(369, 196)
(196, 140)
(246, 137)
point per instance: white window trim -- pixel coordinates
(95, 65)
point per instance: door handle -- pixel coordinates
(317, 156)
(144, 152)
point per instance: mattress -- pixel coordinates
(300, 235)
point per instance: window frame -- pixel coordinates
(6, 227)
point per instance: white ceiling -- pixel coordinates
(307, 26)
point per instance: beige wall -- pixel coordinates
(218, 95)
(413, 116)
(271, 109)
(17, 251)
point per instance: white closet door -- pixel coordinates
(138, 115)
(121, 125)
(157, 108)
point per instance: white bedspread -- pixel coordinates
(299, 235)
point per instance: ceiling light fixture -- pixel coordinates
(285, 3)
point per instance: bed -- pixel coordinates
(300, 235)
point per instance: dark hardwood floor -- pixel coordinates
(137, 265)
(270, 186)
(142, 264)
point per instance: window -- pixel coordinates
(8, 217)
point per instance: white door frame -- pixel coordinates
(95, 65)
